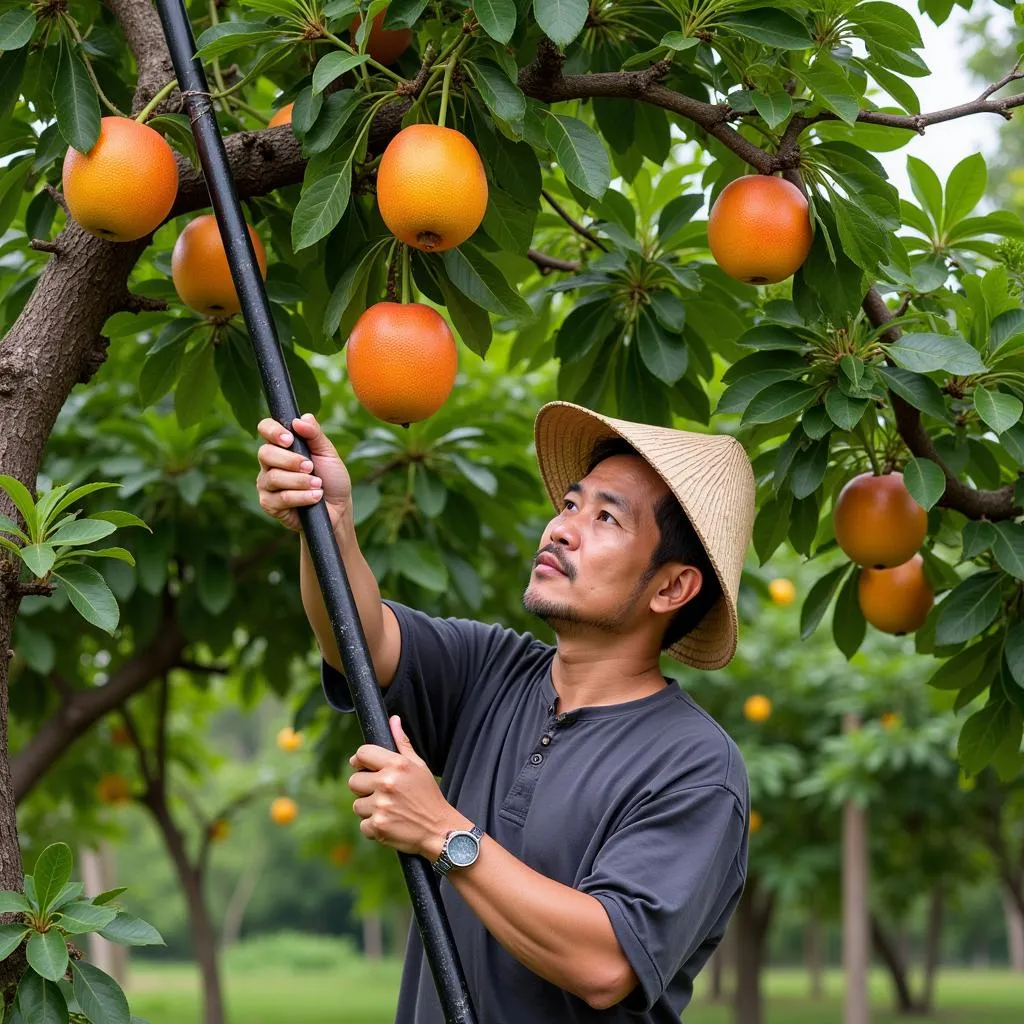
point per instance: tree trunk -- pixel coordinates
(1014, 931)
(402, 919)
(932, 950)
(814, 950)
(240, 899)
(889, 953)
(751, 922)
(716, 970)
(99, 873)
(204, 940)
(856, 894)
(373, 936)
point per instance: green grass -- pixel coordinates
(359, 992)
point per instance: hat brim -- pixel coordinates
(565, 435)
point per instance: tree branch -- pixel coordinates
(145, 37)
(575, 225)
(548, 263)
(975, 504)
(152, 780)
(163, 704)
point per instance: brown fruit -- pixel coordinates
(759, 230)
(289, 740)
(896, 600)
(282, 116)
(876, 521)
(114, 789)
(401, 361)
(284, 810)
(200, 271)
(384, 45)
(431, 187)
(756, 821)
(757, 708)
(125, 186)
(782, 592)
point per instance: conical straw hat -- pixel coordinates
(710, 475)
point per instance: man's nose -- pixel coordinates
(565, 534)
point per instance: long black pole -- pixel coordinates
(316, 524)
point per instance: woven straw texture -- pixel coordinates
(711, 476)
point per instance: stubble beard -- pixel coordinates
(567, 621)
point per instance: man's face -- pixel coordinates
(593, 554)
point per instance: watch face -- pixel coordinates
(462, 850)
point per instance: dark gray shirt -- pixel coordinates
(643, 805)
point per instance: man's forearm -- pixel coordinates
(559, 933)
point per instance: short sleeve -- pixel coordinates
(440, 661)
(665, 878)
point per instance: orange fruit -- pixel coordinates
(384, 45)
(199, 267)
(289, 740)
(759, 230)
(284, 810)
(756, 821)
(896, 600)
(877, 523)
(341, 854)
(219, 830)
(402, 361)
(282, 116)
(120, 736)
(114, 789)
(431, 187)
(782, 592)
(757, 708)
(125, 186)
(890, 720)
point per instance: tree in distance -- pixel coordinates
(757, 708)
(289, 740)
(877, 523)
(782, 592)
(402, 361)
(384, 45)
(896, 600)
(759, 229)
(199, 268)
(282, 116)
(284, 810)
(126, 154)
(431, 187)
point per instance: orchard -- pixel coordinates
(671, 211)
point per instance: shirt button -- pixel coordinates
(536, 758)
(545, 740)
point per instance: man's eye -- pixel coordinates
(567, 502)
(610, 518)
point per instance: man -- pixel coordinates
(591, 824)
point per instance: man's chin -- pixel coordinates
(547, 610)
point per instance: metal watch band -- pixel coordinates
(443, 864)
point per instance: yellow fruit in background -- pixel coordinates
(114, 789)
(890, 720)
(782, 592)
(219, 830)
(120, 736)
(284, 810)
(341, 854)
(755, 821)
(289, 740)
(757, 708)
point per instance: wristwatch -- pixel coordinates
(461, 848)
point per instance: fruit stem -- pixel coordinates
(406, 274)
(148, 109)
(446, 88)
(373, 63)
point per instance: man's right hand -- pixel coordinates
(288, 481)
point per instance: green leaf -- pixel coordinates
(347, 287)
(964, 188)
(580, 153)
(497, 18)
(39, 558)
(12, 70)
(773, 107)
(175, 128)
(925, 352)
(561, 20)
(921, 392)
(120, 519)
(82, 916)
(808, 469)
(819, 597)
(479, 476)
(81, 531)
(52, 872)
(508, 223)
(1014, 652)
(321, 206)
(421, 564)
(977, 537)
(834, 90)
(862, 241)
(78, 109)
(676, 214)
(845, 412)
(981, 735)
(769, 26)
(11, 937)
(778, 401)
(771, 526)
(22, 499)
(40, 1001)
(979, 661)
(89, 593)
(969, 608)
(925, 481)
(100, 997)
(926, 186)
(333, 66)
(504, 99)
(665, 355)
(128, 930)
(13, 903)
(228, 36)
(483, 283)
(1000, 411)
(1008, 548)
(197, 389)
(430, 493)
(337, 110)
(48, 954)
(16, 28)
(471, 322)
(848, 624)
(71, 892)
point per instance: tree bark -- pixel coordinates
(401, 919)
(373, 936)
(932, 949)
(814, 949)
(1014, 931)
(99, 873)
(751, 922)
(889, 953)
(856, 894)
(716, 972)
(241, 897)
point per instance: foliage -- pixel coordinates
(57, 987)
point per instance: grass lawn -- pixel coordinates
(359, 992)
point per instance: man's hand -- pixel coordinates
(399, 799)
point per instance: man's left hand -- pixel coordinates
(399, 799)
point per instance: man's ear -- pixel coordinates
(679, 585)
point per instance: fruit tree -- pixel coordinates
(670, 207)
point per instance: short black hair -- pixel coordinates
(678, 543)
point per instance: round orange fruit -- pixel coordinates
(289, 740)
(431, 187)
(284, 810)
(896, 600)
(200, 271)
(757, 708)
(782, 592)
(877, 523)
(759, 230)
(114, 789)
(756, 821)
(385, 45)
(402, 361)
(125, 186)
(890, 719)
(282, 116)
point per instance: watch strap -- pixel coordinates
(443, 864)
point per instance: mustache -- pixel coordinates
(563, 563)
